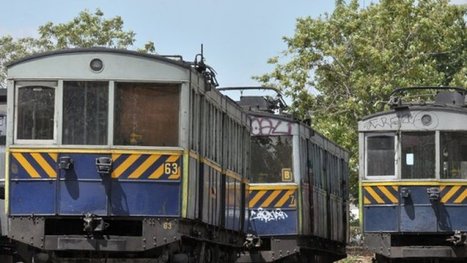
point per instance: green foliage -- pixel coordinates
(343, 66)
(86, 30)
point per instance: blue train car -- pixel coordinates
(297, 195)
(413, 176)
(120, 155)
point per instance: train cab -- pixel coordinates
(413, 176)
(119, 154)
(297, 191)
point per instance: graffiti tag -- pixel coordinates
(406, 119)
(267, 216)
(269, 126)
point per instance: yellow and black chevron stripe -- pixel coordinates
(37, 165)
(380, 195)
(453, 194)
(146, 166)
(277, 198)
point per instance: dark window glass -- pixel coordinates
(453, 155)
(85, 111)
(380, 155)
(146, 114)
(36, 106)
(2, 129)
(271, 159)
(418, 155)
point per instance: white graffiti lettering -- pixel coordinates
(267, 216)
(269, 126)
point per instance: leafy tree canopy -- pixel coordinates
(343, 66)
(86, 30)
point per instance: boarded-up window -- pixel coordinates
(146, 114)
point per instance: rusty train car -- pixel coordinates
(122, 156)
(413, 176)
(298, 190)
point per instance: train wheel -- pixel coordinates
(211, 254)
(180, 258)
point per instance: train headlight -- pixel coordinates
(426, 120)
(96, 65)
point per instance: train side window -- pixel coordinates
(271, 159)
(36, 111)
(453, 155)
(418, 155)
(2, 129)
(146, 114)
(85, 112)
(380, 152)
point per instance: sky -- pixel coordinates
(238, 36)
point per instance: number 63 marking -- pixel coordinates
(171, 168)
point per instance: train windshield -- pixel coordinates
(453, 155)
(418, 155)
(271, 160)
(97, 113)
(85, 111)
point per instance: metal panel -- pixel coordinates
(193, 189)
(272, 222)
(146, 184)
(418, 218)
(81, 189)
(145, 198)
(76, 66)
(273, 209)
(32, 183)
(80, 197)
(410, 120)
(380, 218)
(32, 197)
(229, 211)
(417, 212)
(316, 214)
(454, 218)
(324, 214)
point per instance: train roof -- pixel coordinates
(173, 59)
(74, 63)
(444, 99)
(417, 108)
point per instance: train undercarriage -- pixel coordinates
(159, 240)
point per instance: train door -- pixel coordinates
(452, 192)
(272, 192)
(379, 193)
(418, 165)
(82, 186)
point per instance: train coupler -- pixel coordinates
(92, 223)
(252, 241)
(459, 238)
